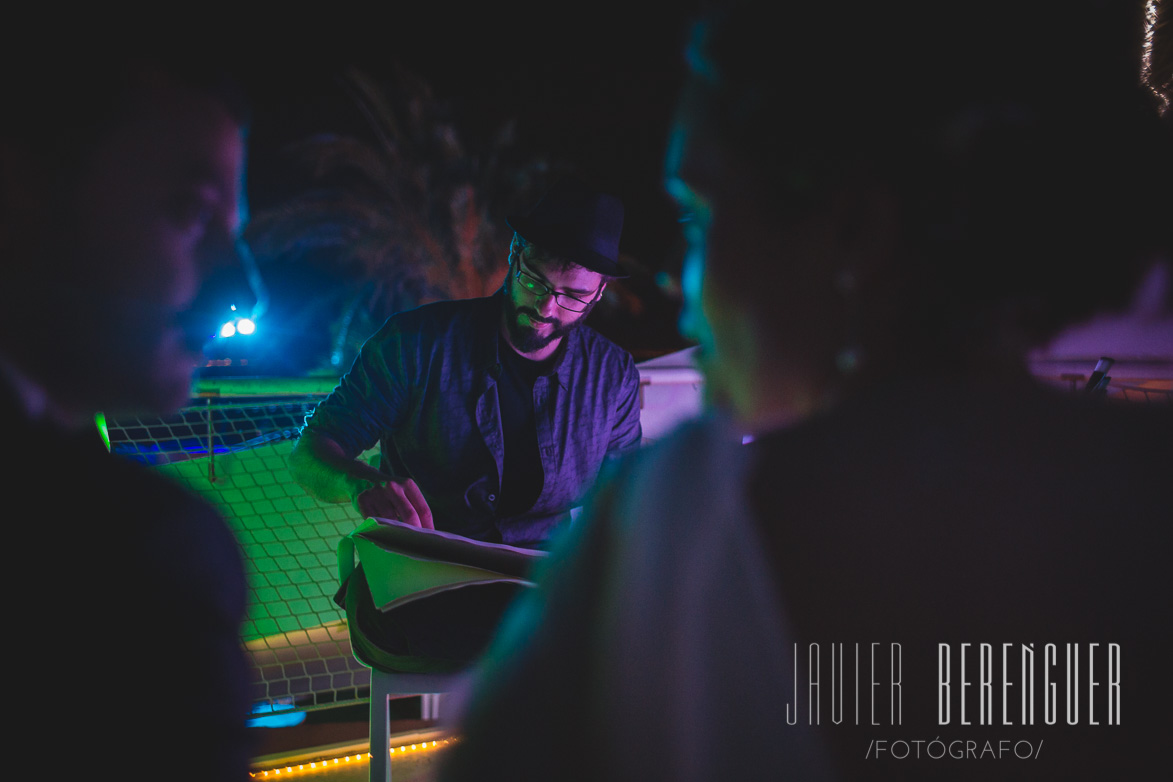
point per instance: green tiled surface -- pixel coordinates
(295, 636)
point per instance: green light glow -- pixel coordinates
(100, 422)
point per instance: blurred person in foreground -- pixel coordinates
(887, 206)
(121, 176)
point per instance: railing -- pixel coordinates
(1135, 380)
(231, 446)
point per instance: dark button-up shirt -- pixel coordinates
(425, 387)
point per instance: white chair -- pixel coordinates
(385, 686)
(404, 563)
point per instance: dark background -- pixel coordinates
(595, 92)
(592, 89)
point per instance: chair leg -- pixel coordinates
(380, 727)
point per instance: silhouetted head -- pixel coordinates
(122, 192)
(871, 188)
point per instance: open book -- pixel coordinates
(404, 563)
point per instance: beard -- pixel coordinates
(525, 338)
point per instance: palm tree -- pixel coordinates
(383, 225)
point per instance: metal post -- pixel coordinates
(211, 447)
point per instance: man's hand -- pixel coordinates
(320, 466)
(399, 500)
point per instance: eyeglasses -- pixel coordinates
(540, 289)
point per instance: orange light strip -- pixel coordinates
(322, 764)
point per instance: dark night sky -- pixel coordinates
(596, 92)
(590, 88)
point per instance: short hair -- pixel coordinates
(1031, 167)
(60, 109)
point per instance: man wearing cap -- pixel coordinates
(494, 415)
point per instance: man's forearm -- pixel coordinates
(319, 466)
